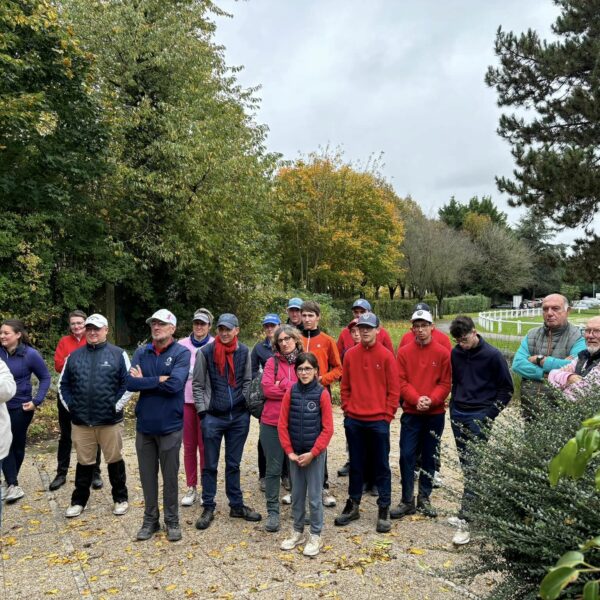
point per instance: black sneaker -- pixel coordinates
(244, 512)
(344, 471)
(206, 518)
(350, 513)
(147, 531)
(383, 520)
(173, 533)
(424, 507)
(57, 482)
(97, 483)
(403, 509)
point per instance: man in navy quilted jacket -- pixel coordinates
(220, 384)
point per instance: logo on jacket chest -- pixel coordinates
(311, 406)
(105, 364)
(169, 361)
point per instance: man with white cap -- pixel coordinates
(92, 387)
(159, 372)
(220, 384)
(425, 381)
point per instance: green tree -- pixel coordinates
(53, 249)
(188, 193)
(555, 139)
(456, 214)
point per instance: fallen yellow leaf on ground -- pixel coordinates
(417, 551)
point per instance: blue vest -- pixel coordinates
(96, 382)
(304, 423)
(224, 398)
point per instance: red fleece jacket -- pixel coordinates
(438, 336)
(326, 434)
(370, 386)
(66, 345)
(424, 371)
(345, 341)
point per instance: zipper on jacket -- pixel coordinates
(92, 378)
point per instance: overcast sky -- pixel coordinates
(402, 78)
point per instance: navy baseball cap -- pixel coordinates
(228, 320)
(368, 319)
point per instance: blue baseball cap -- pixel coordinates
(228, 320)
(368, 319)
(295, 303)
(271, 319)
(362, 303)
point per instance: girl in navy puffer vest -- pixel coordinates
(305, 429)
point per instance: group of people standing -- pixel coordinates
(195, 391)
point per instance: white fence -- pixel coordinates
(494, 319)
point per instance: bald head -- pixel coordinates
(555, 310)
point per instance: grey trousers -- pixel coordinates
(269, 439)
(308, 480)
(152, 451)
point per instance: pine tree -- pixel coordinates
(555, 132)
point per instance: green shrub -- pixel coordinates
(399, 310)
(526, 524)
(465, 304)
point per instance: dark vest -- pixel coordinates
(304, 423)
(95, 377)
(586, 362)
(224, 398)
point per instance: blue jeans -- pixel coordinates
(419, 432)
(369, 439)
(235, 431)
(19, 423)
(466, 425)
(308, 480)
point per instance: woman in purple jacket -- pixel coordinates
(23, 361)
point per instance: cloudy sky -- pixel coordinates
(386, 76)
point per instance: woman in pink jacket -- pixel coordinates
(279, 376)
(193, 447)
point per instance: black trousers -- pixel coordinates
(83, 482)
(63, 454)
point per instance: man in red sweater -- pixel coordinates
(438, 336)
(66, 345)
(345, 341)
(370, 390)
(425, 380)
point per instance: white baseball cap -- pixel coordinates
(423, 315)
(96, 320)
(164, 315)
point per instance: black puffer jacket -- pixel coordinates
(92, 384)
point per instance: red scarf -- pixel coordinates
(222, 352)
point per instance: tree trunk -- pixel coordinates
(392, 289)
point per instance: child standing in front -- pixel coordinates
(305, 429)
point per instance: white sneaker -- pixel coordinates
(437, 482)
(315, 543)
(287, 499)
(120, 508)
(13, 493)
(74, 511)
(456, 521)
(296, 539)
(328, 499)
(462, 536)
(190, 497)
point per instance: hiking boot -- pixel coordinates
(463, 535)
(424, 507)
(97, 483)
(146, 531)
(351, 512)
(120, 508)
(13, 493)
(403, 509)
(286, 483)
(315, 543)
(57, 482)
(272, 523)
(344, 471)
(328, 499)
(206, 518)
(244, 512)
(383, 520)
(173, 532)
(294, 540)
(190, 497)
(74, 511)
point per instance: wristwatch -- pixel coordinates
(538, 360)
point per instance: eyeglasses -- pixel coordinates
(285, 340)
(590, 331)
(305, 369)
(464, 339)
